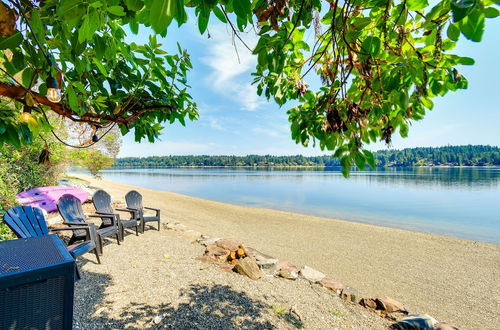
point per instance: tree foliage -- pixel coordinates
(374, 66)
(449, 155)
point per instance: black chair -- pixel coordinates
(27, 222)
(102, 204)
(134, 203)
(71, 210)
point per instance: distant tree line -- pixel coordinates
(445, 156)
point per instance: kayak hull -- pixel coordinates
(47, 197)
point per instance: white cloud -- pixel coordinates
(230, 70)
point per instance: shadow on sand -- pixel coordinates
(199, 307)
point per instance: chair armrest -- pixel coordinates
(134, 213)
(153, 209)
(69, 223)
(104, 216)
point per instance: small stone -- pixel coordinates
(204, 259)
(390, 305)
(227, 244)
(248, 267)
(158, 319)
(416, 321)
(207, 240)
(311, 274)
(176, 226)
(289, 275)
(350, 294)
(332, 284)
(284, 265)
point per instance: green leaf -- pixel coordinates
(242, 8)
(134, 26)
(453, 32)
(371, 45)
(27, 77)
(369, 158)
(427, 103)
(202, 22)
(472, 26)
(116, 10)
(491, 12)
(134, 5)
(72, 98)
(461, 8)
(219, 14)
(162, 12)
(466, 61)
(11, 42)
(101, 67)
(416, 4)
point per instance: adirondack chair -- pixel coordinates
(102, 204)
(27, 221)
(134, 203)
(71, 210)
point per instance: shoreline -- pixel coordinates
(429, 273)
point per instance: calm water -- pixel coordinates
(460, 202)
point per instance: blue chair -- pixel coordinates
(27, 221)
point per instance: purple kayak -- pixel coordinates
(47, 197)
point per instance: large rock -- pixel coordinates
(350, 294)
(385, 304)
(266, 263)
(332, 284)
(227, 244)
(416, 321)
(248, 267)
(288, 274)
(311, 274)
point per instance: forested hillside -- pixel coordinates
(449, 155)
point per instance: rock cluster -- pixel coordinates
(233, 257)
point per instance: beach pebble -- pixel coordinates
(248, 267)
(416, 321)
(311, 274)
(332, 284)
(227, 244)
(350, 294)
(289, 275)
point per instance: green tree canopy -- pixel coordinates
(380, 63)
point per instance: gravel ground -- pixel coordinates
(154, 281)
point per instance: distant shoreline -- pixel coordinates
(296, 166)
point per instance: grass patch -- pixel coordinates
(285, 314)
(5, 232)
(337, 313)
(281, 311)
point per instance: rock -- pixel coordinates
(158, 319)
(416, 321)
(350, 294)
(444, 326)
(332, 284)
(227, 244)
(288, 274)
(248, 267)
(390, 305)
(384, 304)
(311, 274)
(207, 240)
(266, 263)
(283, 265)
(214, 250)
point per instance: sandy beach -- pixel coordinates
(454, 280)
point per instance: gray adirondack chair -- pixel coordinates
(27, 221)
(102, 204)
(134, 203)
(71, 210)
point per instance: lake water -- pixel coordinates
(460, 202)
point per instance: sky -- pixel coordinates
(235, 121)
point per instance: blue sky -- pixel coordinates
(235, 121)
